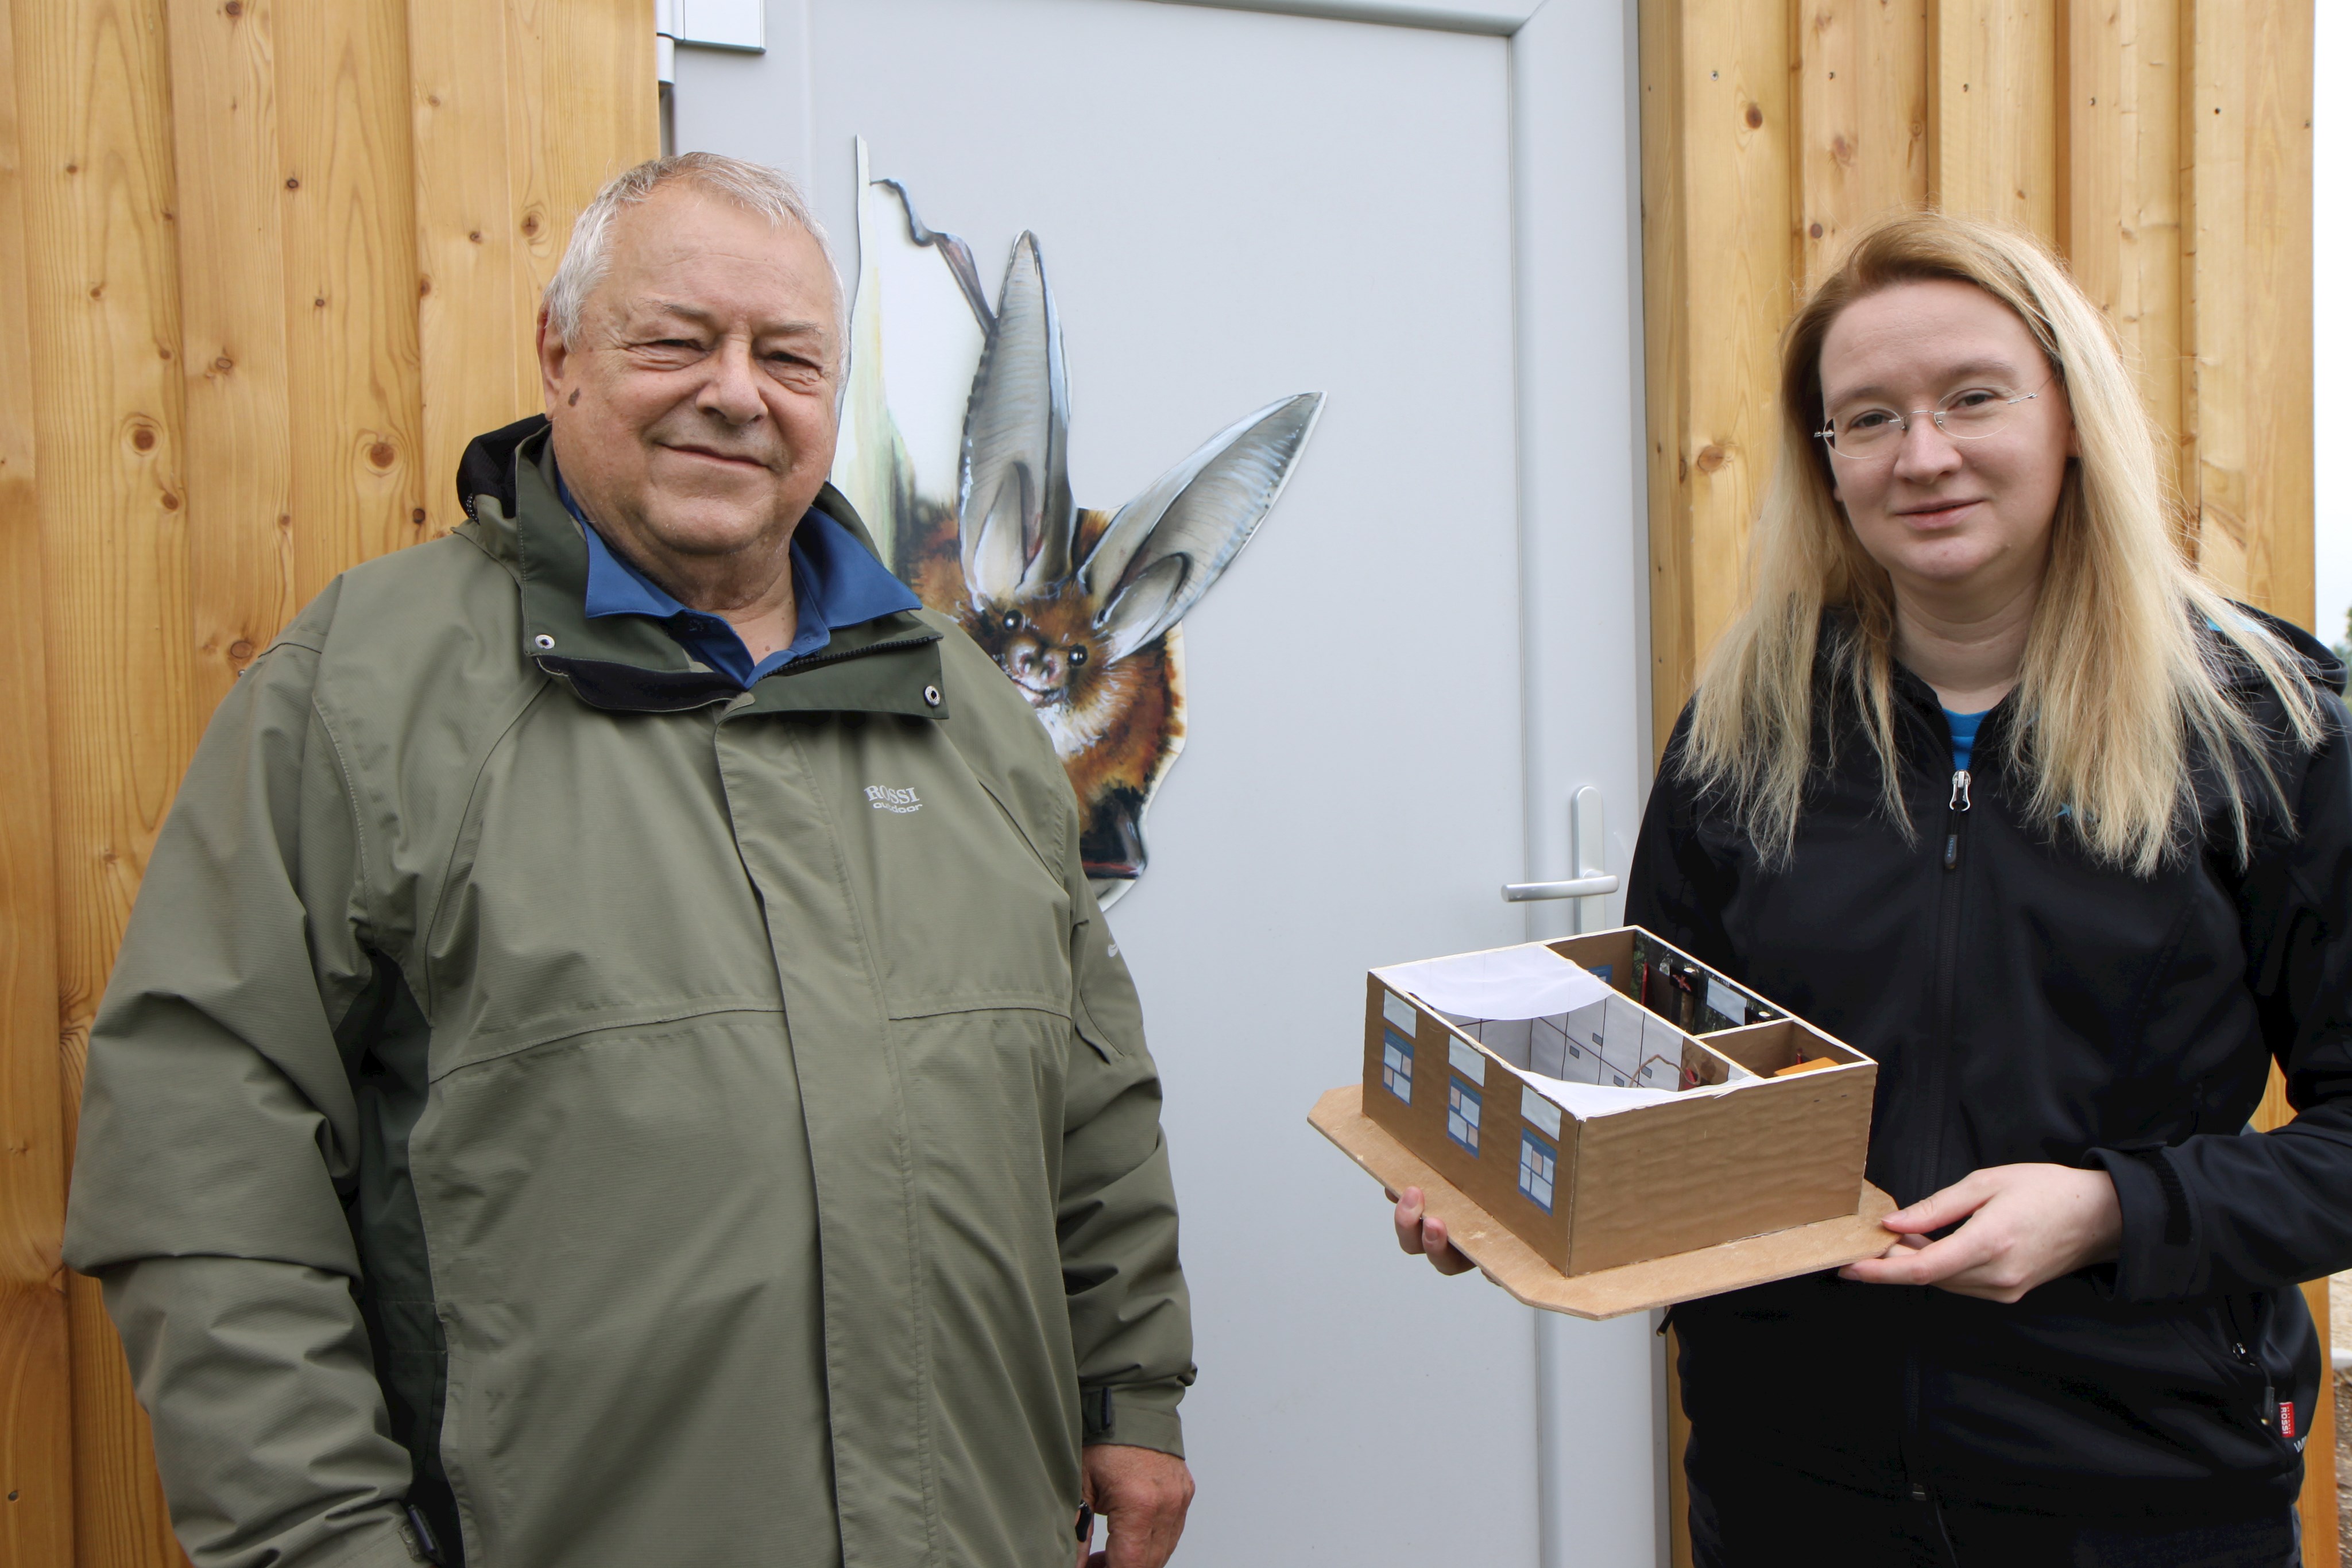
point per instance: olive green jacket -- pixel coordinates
(635, 1120)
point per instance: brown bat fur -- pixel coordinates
(1115, 726)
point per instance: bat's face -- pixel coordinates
(1048, 645)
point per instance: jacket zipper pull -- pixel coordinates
(2270, 1389)
(1956, 805)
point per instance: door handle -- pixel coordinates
(1574, 887)
(1588, 848)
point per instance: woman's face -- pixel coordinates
(1942, 513)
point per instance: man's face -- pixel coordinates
(694, 415)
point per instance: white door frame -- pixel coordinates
(1575, 193)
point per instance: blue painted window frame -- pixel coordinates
(1531, 1149)
(1459, 1095)
(1396, 1064)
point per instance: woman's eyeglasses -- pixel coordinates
(1969, 415)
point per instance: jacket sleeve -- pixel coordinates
(1130, 1316)
(2227, 1212)
(1674, 888)
(218, 1125)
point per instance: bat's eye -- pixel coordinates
(1013, 621)
(1077, 657)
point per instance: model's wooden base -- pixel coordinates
(1610, 1292)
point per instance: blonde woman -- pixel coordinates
(1987, 780)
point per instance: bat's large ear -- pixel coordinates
(1163, 549)
(1014, 502)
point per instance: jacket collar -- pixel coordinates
(625, 663)
(1917, 701)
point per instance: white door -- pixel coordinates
(1431, 643)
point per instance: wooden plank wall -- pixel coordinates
(265, 265)
(2163, 146)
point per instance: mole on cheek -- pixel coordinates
(573, 400)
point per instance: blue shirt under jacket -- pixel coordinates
(836, 582)
(1964, 737)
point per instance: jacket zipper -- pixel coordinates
(2268, 1413)
(1955, 811)
(1947, 920)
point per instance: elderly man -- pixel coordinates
(616, 1060)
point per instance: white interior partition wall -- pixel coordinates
(1430, 212)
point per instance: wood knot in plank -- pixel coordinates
(1712, 457)
(234, 9)
(240, 650)
(1755, 117)
(171, 502)
(1841, 152)
(381, 454)
(417, 516)
(293, 181)
(142, 437)
(1815, 231)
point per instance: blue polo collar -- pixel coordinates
(836, 583)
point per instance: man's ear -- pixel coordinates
(555, 361)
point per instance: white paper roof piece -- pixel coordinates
(1526, 982)
(1586, 1100)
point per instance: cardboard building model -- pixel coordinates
(1606, 1123)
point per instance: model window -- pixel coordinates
(1538, 1163)
(1396, 1064)
(1462, 1114)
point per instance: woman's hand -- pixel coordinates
(2026, 1224)
(1425, 1235)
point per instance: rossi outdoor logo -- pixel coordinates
(884, 799)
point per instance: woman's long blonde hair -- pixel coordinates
(2122, 685)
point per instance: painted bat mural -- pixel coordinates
(1078, 606)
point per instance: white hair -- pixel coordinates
(754, 187)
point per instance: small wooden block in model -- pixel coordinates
(1748, 1169)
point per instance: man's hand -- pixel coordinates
(2027, 1225)
(1425, 1235)
(1143, 1493)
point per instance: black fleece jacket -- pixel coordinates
(2027, 1004)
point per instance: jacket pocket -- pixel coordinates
(2228, 1339)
